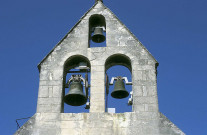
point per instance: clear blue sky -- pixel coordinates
(174, 31)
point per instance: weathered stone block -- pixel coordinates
(57, 91)
(144, 82)
(97, 106)
(145, 100)
(143, 67)
(48, 117)
(105, 116)
(72, 116)
(43, 91)
(71, 131)
(98, 68)
(98, 83)
(139, 107)
(151, 107)
(98, 97)
(96, 89)
(71, 124)
(57, 74)
(138, 75)
(151, 90)
(137, 90)
(50, 100)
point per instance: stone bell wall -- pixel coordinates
(145, 118)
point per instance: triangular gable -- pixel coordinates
(97, 5)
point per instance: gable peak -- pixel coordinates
(99, 0)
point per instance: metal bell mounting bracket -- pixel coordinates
(82, 66)
(85, 84)
(104, 29)
(119, 77)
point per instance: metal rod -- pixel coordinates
(18, 126)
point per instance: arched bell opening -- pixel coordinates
(97, 31)
(76, 90)
(118, 84)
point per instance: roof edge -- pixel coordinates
(171, 124)
(132, 35)
(39, 65)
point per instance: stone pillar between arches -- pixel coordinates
(97, 89)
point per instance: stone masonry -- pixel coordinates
(145, 118)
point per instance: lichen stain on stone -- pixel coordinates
(58, 48)
(85, 117)
(121, 116)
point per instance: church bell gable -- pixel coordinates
(74, 73)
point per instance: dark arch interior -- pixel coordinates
(118, 59)
(74, 61)
(97, 20)
(99, 40)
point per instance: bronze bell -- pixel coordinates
(119, 90)
(75, 96)
(98, 35)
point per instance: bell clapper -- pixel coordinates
(130, 101)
